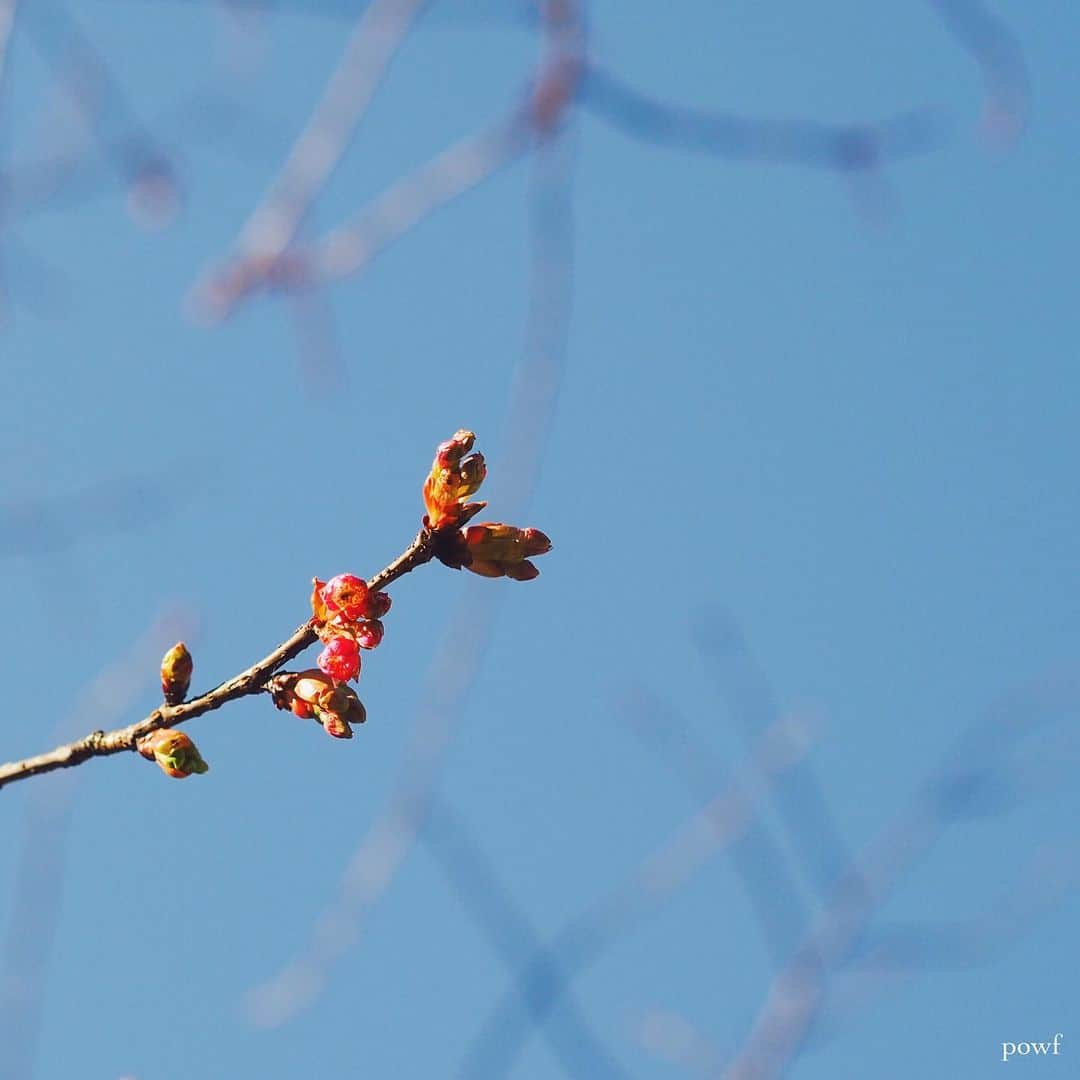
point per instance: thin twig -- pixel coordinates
(1001, 60)
(250, 681)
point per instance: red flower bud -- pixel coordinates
(313, 693)
(340, 659)
(176, 668)
(369, 634)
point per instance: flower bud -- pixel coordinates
(310, 685)
(340, 659)
(174, 752)
(369, 633)
(176, 668)
(346, 596)
(498, 550)
(338, 709)
(449, 453)
(453, 478)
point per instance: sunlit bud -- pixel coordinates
(497, 550)
(340, 659)
(346, 596)
(369, 634)
(338, 709)
(471, 476)
(176, 668)
(449, 453)
(174, 752)
(344, 701)
(310, 685)
(453, 478)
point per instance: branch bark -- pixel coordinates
(252, 680)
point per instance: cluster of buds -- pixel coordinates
(454, 477)
(315, 695)
(174, 752)
(347, 618)
(488, 548)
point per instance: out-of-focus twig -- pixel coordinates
(578, 1048)
(720, 824)
(137, 159)
(352, 245)
(1001, 60)
(758, 860)
(7, 25)
(843, 147)
(800, 802)
(271, 228)
(798, 993)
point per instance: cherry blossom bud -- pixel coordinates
(176, 668)
(174, 752)
(338, 710)
(453, 478)
(340, 659)
(310, 685)
(498, 550)
(346, 596)
(450, 453)
(369, 633)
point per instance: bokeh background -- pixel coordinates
(790, 384)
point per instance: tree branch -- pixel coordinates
(250, 681)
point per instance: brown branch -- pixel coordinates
(250, 681)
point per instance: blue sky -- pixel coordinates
(805, 462)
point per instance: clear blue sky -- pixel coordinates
(845, 447)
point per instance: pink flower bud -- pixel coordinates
(346, 596)
(340, 659)
(369, 634)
